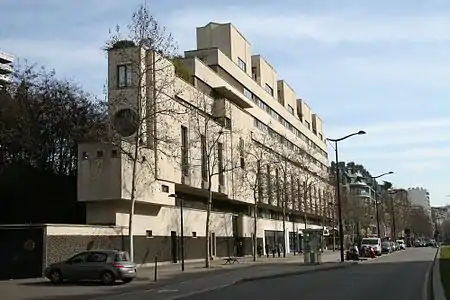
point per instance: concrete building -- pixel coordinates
(421, 197)
(250, 107)
(6, 68)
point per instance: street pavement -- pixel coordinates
(399, 276)
(170, 278)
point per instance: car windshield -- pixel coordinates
(400, 242)
(386, 244)
(369, 241)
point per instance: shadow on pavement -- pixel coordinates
(42, 290)
(195, 281)
(402, 280)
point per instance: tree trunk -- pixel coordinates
(208, 216)
(133, 197)
(255, 237)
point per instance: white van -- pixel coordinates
(373, 242)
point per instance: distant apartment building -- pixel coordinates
(421, 197)
(6, 68)
(439, 215)
(250, 103)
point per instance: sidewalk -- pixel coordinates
(199, 280)
(166, 271)
(437, 287)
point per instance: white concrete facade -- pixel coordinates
(421, 197)
(6, 68)
(249, 104)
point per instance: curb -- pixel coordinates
(436, 290)
(294, 273)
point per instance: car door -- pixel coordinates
(96, 264)
(75, 267)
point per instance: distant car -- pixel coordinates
(106, 266)
(386, 247)
(375, 243)
(394, 246)
(401, 244)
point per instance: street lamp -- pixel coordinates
(376, 201)
(341, 227)
(182, 228)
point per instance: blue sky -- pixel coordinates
(381, 66)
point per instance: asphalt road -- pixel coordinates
(399, 276)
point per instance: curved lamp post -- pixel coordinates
(376, 201)
(338, 192)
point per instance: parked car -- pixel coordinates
(372, 242)
(402, 244)
(394, 246)
(106, 266)
(386, 247)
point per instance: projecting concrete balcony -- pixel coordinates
(6, 58)
(6, 69)
(4, 79)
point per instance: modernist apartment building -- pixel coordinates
(248, 103)
(421, 197)
(6, 68)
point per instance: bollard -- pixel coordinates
(156, 267)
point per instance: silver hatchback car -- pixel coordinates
(104, 265)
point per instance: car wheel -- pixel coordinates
(108, 278)
(56, 277)
(127, 280)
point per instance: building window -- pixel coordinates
(293, 193)
(269, 185)
(248, 94)
(308, 125)
(123, 76)
(99, 153)
(254, 73)
(204, 158)
(114, 153)
(220, 163)
(164, 188)
(242, 65)
(269, 89)
(85, 155)
(241, 152)
(149, 233)
(184, 151)
(291, 109)
(258, 180)
(277, 187)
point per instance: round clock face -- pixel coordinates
(126, 122)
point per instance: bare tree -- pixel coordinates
(419, 222)
(294, 161)
(257, 183)
(142, 86)
(210, 136)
